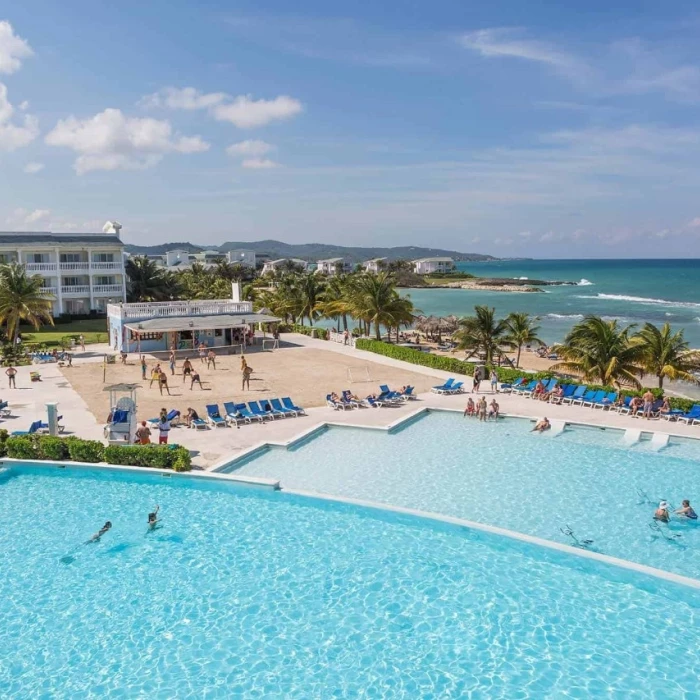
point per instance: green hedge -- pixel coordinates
(321, 333)
(447, 364)
(58, 449)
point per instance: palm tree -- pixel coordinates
(376, 301)
(147, 281)
(601, 351)
(666, 354)
(336, 300)
(22, 298)
(481, 333)
(521, 329)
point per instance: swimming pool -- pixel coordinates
(245, 593)
(502, 474)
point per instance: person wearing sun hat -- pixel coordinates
(661, 513)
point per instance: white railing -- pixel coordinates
(40, 267)
(72, 266)
(166, 309)
(49, 291)
(107, 289)
(106, 266)
(76, 289)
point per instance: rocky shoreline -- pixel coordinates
(501, 284)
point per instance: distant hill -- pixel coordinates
(312, 251)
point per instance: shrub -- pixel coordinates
(153, 456)
(53, 448)
(85, 450)
(3, 442)
(679, 404)
(21, 447)
(182, 461)
(321, 333)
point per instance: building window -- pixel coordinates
(73, 281)
(104, 280)
(71, 257)
(218, 332)
(145, 336)
(36, 258)
(103, 257)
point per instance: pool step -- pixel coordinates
(631, 437)
(659, 441)
(557, 427)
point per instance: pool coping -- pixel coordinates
(274, 485)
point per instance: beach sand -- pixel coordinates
(305, 374)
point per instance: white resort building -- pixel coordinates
(272, 265)
(81, 272)
(426, 266)
(375, 265)
(332, 266)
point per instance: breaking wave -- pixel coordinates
(566, 317)
(642, 300)
(584, 282)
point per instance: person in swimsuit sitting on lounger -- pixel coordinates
(541, 426)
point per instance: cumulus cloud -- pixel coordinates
(22, 217)
(14, 135)
(12, 49)
(250, 147)
(694, 223)
(246, 113)
(183, 98)
(259, 163)
(33, 168)
(242, 111)
(112, 141)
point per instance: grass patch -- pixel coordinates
(94, 330)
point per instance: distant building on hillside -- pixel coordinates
(332, 266)
(427, 266)
(375, 265)
(281, 263)
(81, 272)
(242, 257)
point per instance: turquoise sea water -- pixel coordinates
(633, 291)
(251, 595)
(501, 474)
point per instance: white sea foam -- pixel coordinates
(584, 282)
(565, 317)
(642, 300)
(522, 278)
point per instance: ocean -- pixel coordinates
(632, 291)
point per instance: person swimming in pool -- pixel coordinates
(686, 511)
(661, 513)
(96, 537)
(153, 519)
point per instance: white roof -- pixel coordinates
(374, 260)
(330, 260)
(433, 260)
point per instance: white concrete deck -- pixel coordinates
(214, 447)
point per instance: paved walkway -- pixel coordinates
(215, 446)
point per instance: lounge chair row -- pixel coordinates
(386, 396)
(449, 387)
(240, 413)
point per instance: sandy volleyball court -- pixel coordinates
(305, 374)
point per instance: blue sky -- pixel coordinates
(544, 129)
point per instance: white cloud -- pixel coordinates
(525, 234)
(245, 112)
(15, 135)
(33, 168)
(23, 217)
(112, 141)
(250, 147)
(37, 215)
(259, 163)
(12, 49)
(694, 223)
(183, 98)
(502, 42)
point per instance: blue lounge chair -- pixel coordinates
(346, 398)
(288, 403)
(587, 396)
(578, 393)
(245, 412)
(267, 407)
(199, 424)
(456, 388)
(597, 396)
(548, 385)
(525, 388)
(443, 387)
(277, 405)
(214, 417)
(408, 394)
(607, 401)
(336, 405)
(372, 403)
(5, 408)
(256, 410)
(233, 415)
(567, 391)
(33, 428)
(625, 406)
(690, 417)
(507, 388)
(44, 427)
(386, 394)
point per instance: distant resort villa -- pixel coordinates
(427, 266)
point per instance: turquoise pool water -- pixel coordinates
(245, 594)
(502, 474)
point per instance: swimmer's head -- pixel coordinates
(686, 503)
(107, 525)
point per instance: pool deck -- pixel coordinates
(215, 447)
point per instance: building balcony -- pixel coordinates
(41, 268)
(116, 266)
(167, 309)
(79, 290)
(82, 266)
(102, 289)
(49, 291)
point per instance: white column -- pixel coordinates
(59, 282)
